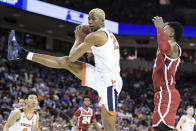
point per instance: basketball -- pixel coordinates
(85, 29)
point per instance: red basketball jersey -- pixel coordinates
(164, 71)
(84, 117)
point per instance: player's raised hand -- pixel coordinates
(79, 34)
(158, 22)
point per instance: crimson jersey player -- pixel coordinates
(166, 97)
(84, 115)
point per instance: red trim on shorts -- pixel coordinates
(99, 99)
(113, 113)
(83, 74)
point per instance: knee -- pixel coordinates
(109, 125)
(64, 62)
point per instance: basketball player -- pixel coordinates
(21, 102)
(104, 77)
(84, 115)
(187, 122)
(166, 97)
(24, 119)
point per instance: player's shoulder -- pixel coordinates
(96, 36)
(91, 108)
(183, 117)
(18, 110)
(16, 113)
(79, 109)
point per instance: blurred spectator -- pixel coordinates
(132, 11)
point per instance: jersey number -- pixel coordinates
(114, 42)
(86, 120)
(25, 129)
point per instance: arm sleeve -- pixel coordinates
(163, 43)
(77, 113)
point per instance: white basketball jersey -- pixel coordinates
(25, 123)
(107, 56)
(189, 124)
(85, 116)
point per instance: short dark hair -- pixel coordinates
(30, 93)
(86, 97)
(21, 98)
(178, 29)
(190, 106)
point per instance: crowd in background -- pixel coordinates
(132, 11)
(60, 94)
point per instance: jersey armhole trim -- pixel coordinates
(174, 59)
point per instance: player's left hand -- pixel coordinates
(79, 35)
(158, 22)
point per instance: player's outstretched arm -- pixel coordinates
(72, 123)
(163, 43)
(195, 118)
(12, 119)
(96, 125)
(180, 123)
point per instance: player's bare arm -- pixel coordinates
(12, 119)
(166, 47)
(36, 126)
(180, 123)
(97, 38)
(195, 118)
(96, 125)
(73, 120)
(72, 123)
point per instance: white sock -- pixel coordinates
(30, 56)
